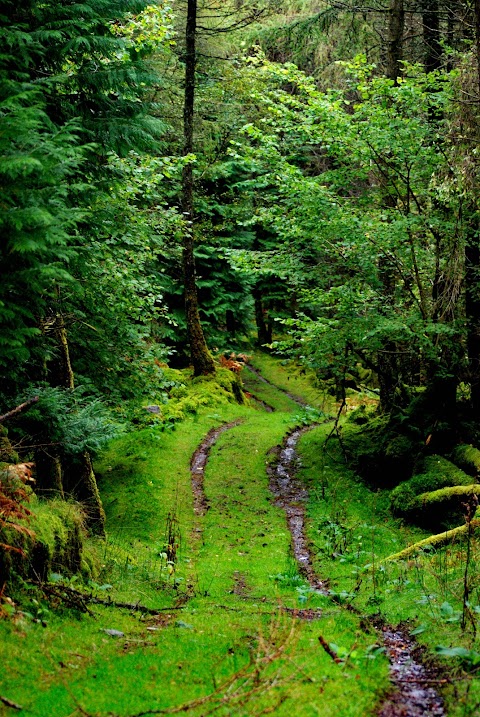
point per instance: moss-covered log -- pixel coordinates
(379, 452)
(467, 457)
(436, 541)
(436, 473)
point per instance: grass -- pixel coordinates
(352, 530)
(223, 639)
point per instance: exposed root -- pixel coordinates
(79, 601)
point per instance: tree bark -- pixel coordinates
(200, 356)
(472, 309)
(81, 482)
(396, 22)
(264, 329)
(49, 473)
(431, 35)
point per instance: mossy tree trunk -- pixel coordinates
(200, 356)
(49, 472)
(264, 328)
(58, 474)
(472, 308)
(80, 480)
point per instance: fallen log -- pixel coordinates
(436, 541)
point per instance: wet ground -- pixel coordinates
(291, 496)
(292, 396)
(198, 463)
(413, 694)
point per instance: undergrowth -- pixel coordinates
(213, 601)
(352, 531)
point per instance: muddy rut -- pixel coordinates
(292, 396)
(412, 694)
(198, 463)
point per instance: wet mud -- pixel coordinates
(198, 463)
(412, 693)
(291, 496)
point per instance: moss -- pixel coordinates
(7, 453)
(428, 498)
(379, 452)
(361, 415)
(436, 541)
(467, 457)
(53, 541)
(435, 473)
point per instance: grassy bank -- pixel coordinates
(352, 531)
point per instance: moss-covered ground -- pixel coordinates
(352, 531)
(226, 638)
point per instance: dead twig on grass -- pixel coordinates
(9, 703)
(78, 600)
(252, 679)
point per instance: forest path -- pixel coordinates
(413, 693)
(242, 628)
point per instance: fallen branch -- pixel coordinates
(11, 704)
(79, 600)
(435, 541)
(238, 689)
(331, 653)
(19, 409)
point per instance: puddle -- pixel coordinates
(414, 695)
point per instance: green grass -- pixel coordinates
(352, 530)
(223, 634)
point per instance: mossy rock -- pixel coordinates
(436, 473)
(53, 542)
(361, 415)
(381, 455)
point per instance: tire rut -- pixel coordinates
(296, 399)
(412, 694)
(198, 463)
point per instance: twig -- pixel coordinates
(79, 600)
(11, 704)
(331, 653)
(22, 407)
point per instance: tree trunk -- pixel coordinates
(472, 309)
(431, 35)
(62, 369)
(57, 473)
(264, 329)
(396, 22)
(81, 482)
(201, 359)
(49, 473)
